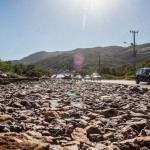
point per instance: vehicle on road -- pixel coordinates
(87, 77)
(78, 77)
(143, 75)
(96, 76)
(58, 76)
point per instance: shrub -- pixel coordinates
(112, 77)
(12, 75)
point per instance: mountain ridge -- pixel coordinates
(109, 55)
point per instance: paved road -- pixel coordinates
(128, 82)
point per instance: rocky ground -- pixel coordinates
(69, 115)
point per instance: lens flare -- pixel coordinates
(78, 62)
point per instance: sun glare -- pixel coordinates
(89, 10)
(91, 6)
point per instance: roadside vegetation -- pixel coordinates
(21, 70)
(116, 71)
(107, 72)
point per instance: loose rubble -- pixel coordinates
(68, 115)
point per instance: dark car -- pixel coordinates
(143, 75)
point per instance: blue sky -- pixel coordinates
(29, 26)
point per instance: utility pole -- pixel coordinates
(99, 64)
(134, 51)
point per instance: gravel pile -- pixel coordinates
(69, 115)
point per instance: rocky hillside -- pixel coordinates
(64, 115)
(34, 57)
(112, 55)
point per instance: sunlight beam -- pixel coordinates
(83, 22)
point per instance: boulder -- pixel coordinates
(6, 117)
(80, 134)
(109, 112)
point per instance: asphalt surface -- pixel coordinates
(127, 82)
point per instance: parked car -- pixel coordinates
(143, 75)
(58, 76)
(78, 77)
(87, 77)
(96, 76)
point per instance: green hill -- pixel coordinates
(109, 56)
